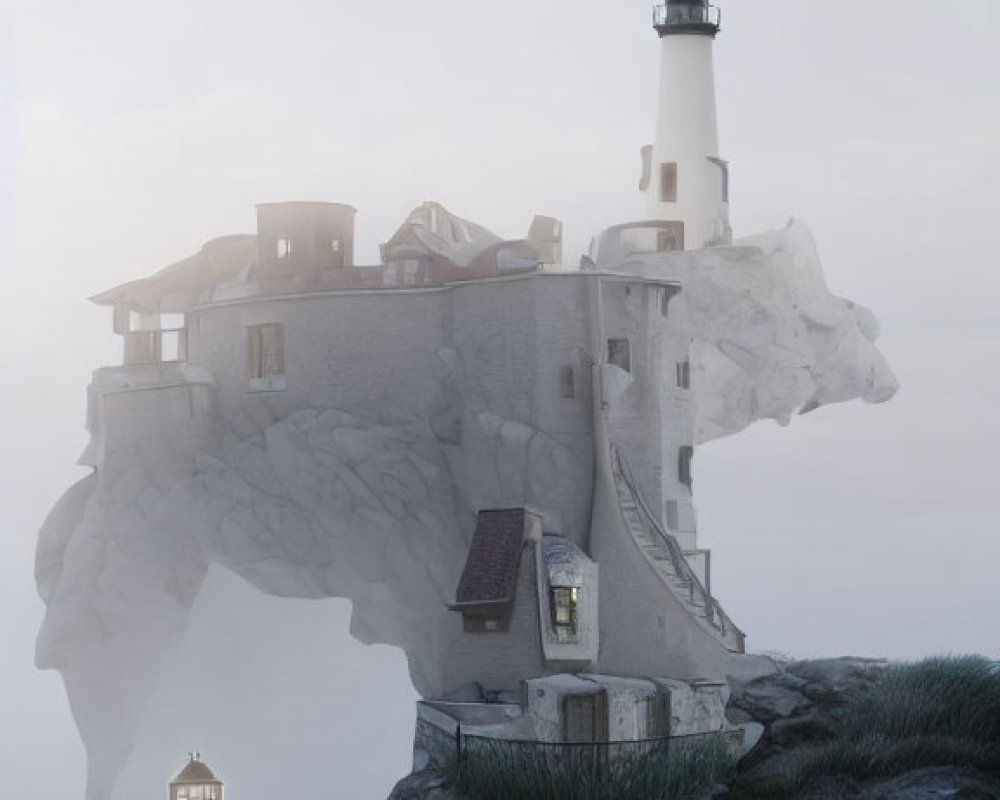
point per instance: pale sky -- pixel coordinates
(130, 133)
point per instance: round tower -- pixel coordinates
(685, 181)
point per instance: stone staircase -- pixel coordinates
(665, 555)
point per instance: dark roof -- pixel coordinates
(195, 771)
(490, 574)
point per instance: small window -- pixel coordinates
(668, 183)
(619, 354)
(684, 458)
(672, 518)
(335, 245)
(670, 237)
(564, 601)
(173, 345)
(171, 321)
(410, 269)
(480, 623)
(283, 247)
(266, 351)
(567, 382)
(684, 374)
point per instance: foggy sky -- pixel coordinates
(130, 133)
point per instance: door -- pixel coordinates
(585, 721)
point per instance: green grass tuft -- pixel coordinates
(680, 772)
(937, 712)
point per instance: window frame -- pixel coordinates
(262, 376)
(668, 182)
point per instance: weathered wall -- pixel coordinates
(501, 659)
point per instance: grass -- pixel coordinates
(937, 712)
(680, 772)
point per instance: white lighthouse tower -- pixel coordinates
(685, 181)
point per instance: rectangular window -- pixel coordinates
(283, 247)
(266, 356)
(684, 374)
(567, 382)
(684, 457)
(668, 183)
(564, 601)
(479, 623)
(619, 354)
(410, 269)
(171, 322)
(173, 345)
(672, 516)
(670, 237)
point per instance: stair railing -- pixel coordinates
(713, 611)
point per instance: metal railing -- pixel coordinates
(665, 14)
(599, 758)
(698, 594)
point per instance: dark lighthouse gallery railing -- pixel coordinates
(679, 17)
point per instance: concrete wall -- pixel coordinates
(497, 660)
(375, 355)
(645, 630)
(523, 442)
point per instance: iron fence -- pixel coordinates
(602, 759)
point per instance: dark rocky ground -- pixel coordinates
(790, 706)
(796, 703)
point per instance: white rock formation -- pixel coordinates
(769, 338)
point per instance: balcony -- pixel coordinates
(669, 18)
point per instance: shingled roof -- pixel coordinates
(490, 574)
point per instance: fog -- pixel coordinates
(131, 133)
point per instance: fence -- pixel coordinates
(597, 758)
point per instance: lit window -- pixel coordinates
(266, 351)
(619, 354)
(564, 601)
(284, 247)
(668, 183)
(335, 245)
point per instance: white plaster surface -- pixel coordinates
(687, 135)
(374, 501)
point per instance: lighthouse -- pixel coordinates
(685, 180)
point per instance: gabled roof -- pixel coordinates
(490, 574)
